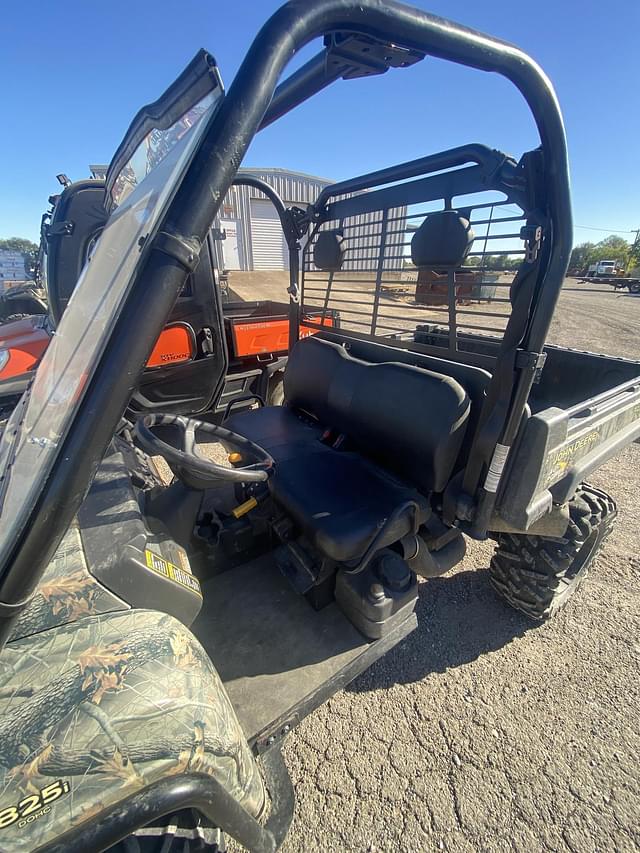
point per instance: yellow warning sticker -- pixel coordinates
(173, 573)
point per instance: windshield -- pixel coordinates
(155, 146)
(38, 426)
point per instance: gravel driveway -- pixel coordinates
(483, 731)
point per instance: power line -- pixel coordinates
(609, 230)
(584, 227)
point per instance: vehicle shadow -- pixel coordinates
(460, 618)
(235, 297)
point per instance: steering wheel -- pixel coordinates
(192, 466)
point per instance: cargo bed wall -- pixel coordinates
(559, 447)
(571, 378)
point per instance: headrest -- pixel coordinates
(443, 240)
(328, 252)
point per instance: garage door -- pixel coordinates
(267, 240)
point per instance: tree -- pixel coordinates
(634, 255)
(499, 262)
(28, 248)
(510, 263)
(580, 256)
(612, 248)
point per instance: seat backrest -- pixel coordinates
(444, 239)
(328, 251)
(79, 217)
(410, 420)
(474, 380)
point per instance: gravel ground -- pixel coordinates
(483, 731)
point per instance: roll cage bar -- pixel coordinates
(253, 101)
(294, 224)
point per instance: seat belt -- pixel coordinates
(497, 403)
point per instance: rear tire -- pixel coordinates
(275, 393)
(538, 575)
(634, 288)
(11, 318)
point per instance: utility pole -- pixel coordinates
(634, 254)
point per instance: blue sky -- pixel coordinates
(74, 73)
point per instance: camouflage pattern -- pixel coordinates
(67, 591)
(95, 710)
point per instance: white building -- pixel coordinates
(254, 238)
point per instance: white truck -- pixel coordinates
(606, 269)
(612, 272)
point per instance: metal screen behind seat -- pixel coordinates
(379, 292)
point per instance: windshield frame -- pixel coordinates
(31, 444)
(199, 78)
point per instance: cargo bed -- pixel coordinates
(583, 410)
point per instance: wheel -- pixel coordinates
(538, 575)
(634, 288)
(172, 839)
(11, 318)
(275, 392)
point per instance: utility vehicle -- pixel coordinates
(256, 333)
(160, 640)
(22, 300)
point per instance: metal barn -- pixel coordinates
(254, 238)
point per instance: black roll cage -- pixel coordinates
(253, 102)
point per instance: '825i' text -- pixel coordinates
(34, 806)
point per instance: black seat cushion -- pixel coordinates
(279, 430)
(341, 501)
(338, 499)
(443, 240)
(403, 421)
(410, 420)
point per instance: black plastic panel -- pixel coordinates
(145, 569)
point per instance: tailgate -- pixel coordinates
(558, 448)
